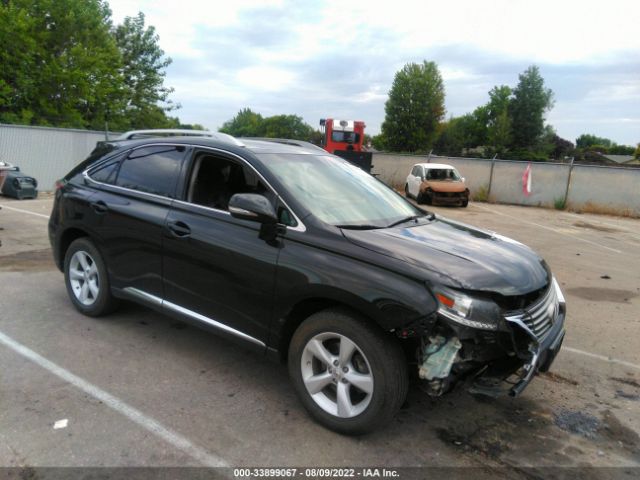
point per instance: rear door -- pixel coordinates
(128, 212)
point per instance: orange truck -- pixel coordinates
(345, 138)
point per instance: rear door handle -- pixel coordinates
(179, 229)
(99, 207)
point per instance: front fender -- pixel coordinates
(390, 299)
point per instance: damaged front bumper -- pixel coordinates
(531, 339)
(542, 353)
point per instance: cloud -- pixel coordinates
(319, 59)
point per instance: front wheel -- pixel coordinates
(86, 278)
(349, 375)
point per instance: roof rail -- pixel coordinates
(286, 141)
(175, 132)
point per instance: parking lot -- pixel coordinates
(140, 389)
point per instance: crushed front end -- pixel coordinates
(494, 344)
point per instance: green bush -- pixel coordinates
(482, 194)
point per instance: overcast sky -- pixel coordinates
(337, 59)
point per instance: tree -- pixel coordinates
(531, 100)
(143, 73)
(587, 140)
(636, 154)
(64, 64)
(621, 149)
(414, 109)
(17, 57)
(250, 124)
(245, 124)
(59, 62)
(287, 126)
(462, 133)
(499, 127)
(378, 142)
(561, 148)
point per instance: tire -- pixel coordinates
(465, 203)
(376, 363)
(426, 198)
(406, 191)
(86, 279)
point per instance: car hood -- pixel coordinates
(472, 259)
(444, 186)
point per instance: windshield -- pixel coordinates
(349, 137)
(443, 174)
(337, 192)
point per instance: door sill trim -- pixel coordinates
(160, 302)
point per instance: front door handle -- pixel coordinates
(99, 207)
(179, 229)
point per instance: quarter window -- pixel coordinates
(152, 170)
(107, 173)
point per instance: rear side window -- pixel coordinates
(152, 170)
(107, 173)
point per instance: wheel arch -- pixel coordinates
(66, 239)
(286, 324)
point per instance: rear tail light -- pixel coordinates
(60, 183)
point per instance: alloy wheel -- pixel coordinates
(337, 375)
(83, 277)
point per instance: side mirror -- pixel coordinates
(253, 207)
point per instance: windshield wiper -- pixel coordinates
(431, 216)
(359, 227)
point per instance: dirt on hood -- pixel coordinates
(443, 186)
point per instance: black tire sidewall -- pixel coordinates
(387, 362)
(105, 301)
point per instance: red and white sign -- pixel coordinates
(526, 180)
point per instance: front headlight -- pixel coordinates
(466, 310)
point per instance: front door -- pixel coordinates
(217, 271)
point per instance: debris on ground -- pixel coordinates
(578, 423)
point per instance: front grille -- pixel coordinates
(538, 317)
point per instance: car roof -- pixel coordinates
(435, 165)
(230, 143)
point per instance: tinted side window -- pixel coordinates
(215, 180)
(107, 173)
(152, 170)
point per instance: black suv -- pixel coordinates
(304, 257)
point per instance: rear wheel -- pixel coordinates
(86, 279)
(349, 375)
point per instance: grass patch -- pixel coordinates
(482, 194)
(590, 207)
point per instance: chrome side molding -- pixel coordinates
(138, 294)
